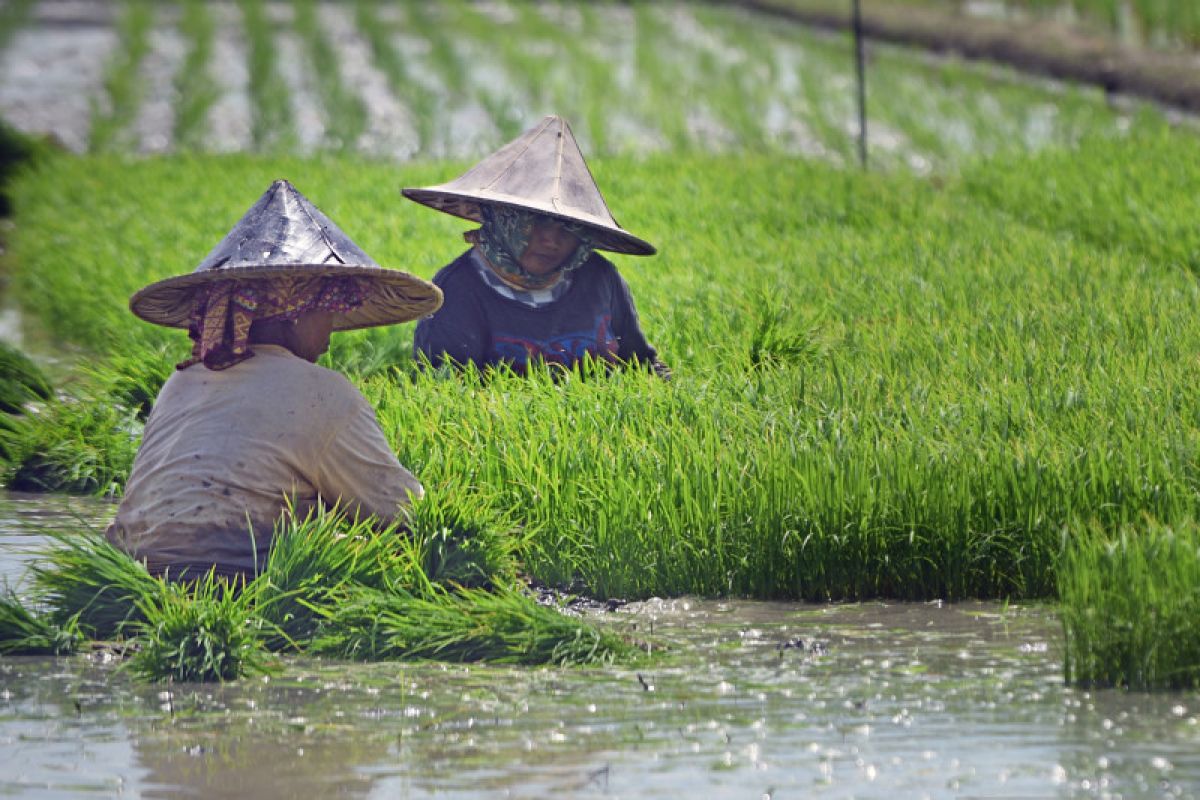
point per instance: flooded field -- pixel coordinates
(753, 700)
(413, 80)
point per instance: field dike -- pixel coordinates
(1041, 47)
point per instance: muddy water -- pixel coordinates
(754, 700)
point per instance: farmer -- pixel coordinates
(532, 286)
(249, 427)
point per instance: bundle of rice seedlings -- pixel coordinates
(84, 577)
(75, 446)
(199, 631)
(312, 561)
(461, 542)
(23, 632)
(466, 625)
(21, 381)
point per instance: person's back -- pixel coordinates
(223, 450)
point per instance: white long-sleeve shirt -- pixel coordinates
(224, 450)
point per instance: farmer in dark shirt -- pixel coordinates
(532, 288)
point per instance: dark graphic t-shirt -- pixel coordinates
(475, 324)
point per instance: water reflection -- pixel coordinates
(26, 518)
(753, 700)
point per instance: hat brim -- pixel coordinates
(395, 296)
(466, 205)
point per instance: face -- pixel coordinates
(310, 335)
(548, 247)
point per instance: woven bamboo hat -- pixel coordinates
(285, 235)
(542, 170)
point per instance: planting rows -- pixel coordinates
(455, 79)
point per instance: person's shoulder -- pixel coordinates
(599, 270)
(598, 266)
(458, 272)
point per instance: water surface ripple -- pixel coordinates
(754, 700)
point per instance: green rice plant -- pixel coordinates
(736, 71)
(372, 351)
(16, 151)
(345, 114)
(559, 69)
(22, 632)
(508, 95)
(200, 630)
(85, 581)
(422, 102)
(272, 127)
(466, 625)
(457, 540)
(21, 380)
(934, 389)
(313, 561)
(662, 100)
(133, 379)
(78, 446)
(12, 16)
(122, 82)
(1141, 207)
(424, 22)
(197, 91)
(1129, 600)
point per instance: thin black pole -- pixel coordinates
(860, 72)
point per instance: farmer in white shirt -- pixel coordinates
(249, 426)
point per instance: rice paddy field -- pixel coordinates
(963, 375)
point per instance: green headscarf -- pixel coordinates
(505, 235)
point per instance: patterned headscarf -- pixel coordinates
(505, 235)
(223, 312)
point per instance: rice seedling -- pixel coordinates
(321, 573)
(425, 24)
(12, 16)
(197, 91)
(22, 632)
(1142, 207)
(123, 85)
(1129, 600)
(21, 381)
(198, 630)
(312, 562)
(932, 391)
(87, 582)
(273, 129)
(80, 446)
(345, 114)
(465, 625)
(422, 102)
(131, 380)
(16, 151)
(662, 98)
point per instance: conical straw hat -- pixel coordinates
(285, 235)
(542, 170)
